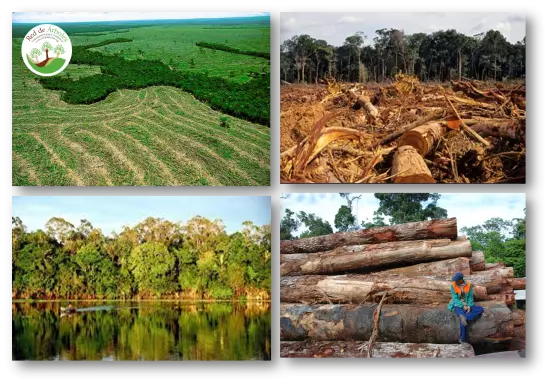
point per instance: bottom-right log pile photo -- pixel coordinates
(413, 289)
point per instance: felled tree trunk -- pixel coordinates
(507, 298)
(477, 261)
(491, 279)
(504, 272)
(493, 266)
(349, 258)
(423, 138)
(409, 167)
(446, 267)
(516, 283)
(437, 228)
(518, 316)
(350, 349)
(365, 103)
(513, 129)
(398, 323)
(356, 288)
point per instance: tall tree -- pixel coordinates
(315, 225)
(408, 207)
(289, 224)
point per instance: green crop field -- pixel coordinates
(193, 124)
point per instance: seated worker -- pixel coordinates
(462, 303)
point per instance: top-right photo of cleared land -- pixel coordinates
(403, 98)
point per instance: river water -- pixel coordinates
(147, 330)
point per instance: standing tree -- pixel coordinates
(354, 44)
(59, 50)
(35, 53)
(47, 47)
(289, 224)
(315, 225)
(344, 219)
(406, 207)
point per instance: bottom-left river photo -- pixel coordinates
(141, 278)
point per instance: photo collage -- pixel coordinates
(144, 151)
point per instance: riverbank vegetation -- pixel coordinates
(154, 259)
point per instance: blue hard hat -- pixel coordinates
(458, 276)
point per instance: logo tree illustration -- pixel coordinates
(59, 50)
(46, 47)
(35, 53)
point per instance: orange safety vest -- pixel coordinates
(458, 290)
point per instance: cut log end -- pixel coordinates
(409, 167)
(423, 138)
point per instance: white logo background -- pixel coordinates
(34, 41)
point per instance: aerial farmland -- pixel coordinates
(162, 102)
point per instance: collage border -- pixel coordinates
(278, 367)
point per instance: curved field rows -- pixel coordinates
(154, 136)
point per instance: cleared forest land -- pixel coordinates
(145, 132)
(403, 132)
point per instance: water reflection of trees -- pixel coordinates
(143, 331)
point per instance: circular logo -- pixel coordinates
(46, 50)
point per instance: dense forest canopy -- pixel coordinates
(155, 258)
(500, 240)
(438, 56)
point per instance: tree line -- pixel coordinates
(156, 258)
(438, 56)
(248, 101)
(226, 48)
(500, 240)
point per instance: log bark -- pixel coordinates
(426, 119)
(507, 298)
(423, 138)
(516, 283)
(350, 349)
(370, 257)
(504, 272)
(398, 323)
(514, 129)
(356, 288)
(518, 316)
(493, 266)
(409, 167)
(477, 261)
(491, 279)
(446, 267)
(434, 229)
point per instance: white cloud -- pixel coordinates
(51, 17)
(336, 26)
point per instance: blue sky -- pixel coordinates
(469, 209)
(53, 17)
(334, 27)
(112, 213)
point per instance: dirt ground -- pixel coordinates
(340, 132)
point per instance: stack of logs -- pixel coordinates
(332, 286)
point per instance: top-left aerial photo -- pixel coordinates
(133, 98)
